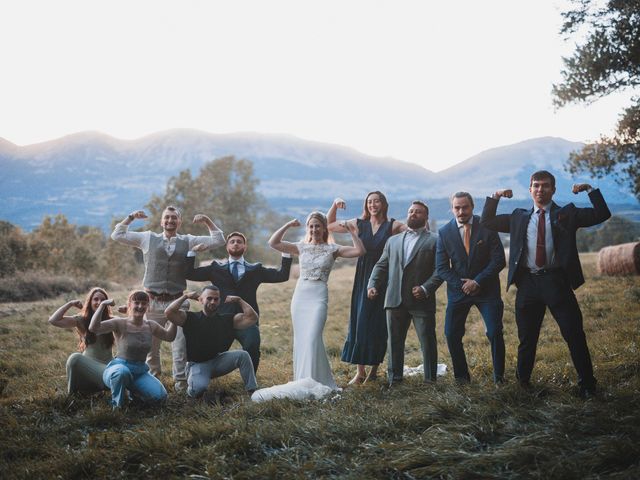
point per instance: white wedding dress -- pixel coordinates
(309, 314)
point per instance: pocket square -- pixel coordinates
(480, 242)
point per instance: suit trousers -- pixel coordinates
(535, 294)
(178, 346)
(398, 322)
(454, 328)
(249, 338)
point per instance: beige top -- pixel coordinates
(134, 346)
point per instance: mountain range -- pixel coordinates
(91, 177)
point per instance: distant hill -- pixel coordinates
(91, 177)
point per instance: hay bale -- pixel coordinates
(620, 259)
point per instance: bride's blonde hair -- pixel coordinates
(323, 220)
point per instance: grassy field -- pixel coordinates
(413, 431)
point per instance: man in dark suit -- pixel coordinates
(240, 278)
(470, 257)
(544, 265)
(407, 270)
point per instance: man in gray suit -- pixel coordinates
(407, 270)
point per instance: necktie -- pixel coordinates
(541, 245)
(234, 271)
(467, 237)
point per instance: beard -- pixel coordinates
(414, 223)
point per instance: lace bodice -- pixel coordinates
(316, 260)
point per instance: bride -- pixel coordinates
(309, 302)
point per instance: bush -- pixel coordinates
(29, 286)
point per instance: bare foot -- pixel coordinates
(372, 377)
(357, 380)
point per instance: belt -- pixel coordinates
(545, 271)
(163, 297)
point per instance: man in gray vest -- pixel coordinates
(164, 274)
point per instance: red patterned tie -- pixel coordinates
(541, 245)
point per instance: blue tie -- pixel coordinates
(234, 271)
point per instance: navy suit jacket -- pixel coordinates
(483, 264)
(255, 273)
(565, 221)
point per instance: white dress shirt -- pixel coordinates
(410, 239)
(532, 237)
(461, 228)
(241, 268)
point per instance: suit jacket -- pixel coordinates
(565, 221)
(483, 263)
(254, 274)
(400, 275)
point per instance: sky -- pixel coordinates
(429, 82)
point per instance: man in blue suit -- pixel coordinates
(470, 257)
(240, 278)
(544, 265)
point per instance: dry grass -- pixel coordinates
(414, 431)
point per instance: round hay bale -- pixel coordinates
(621, 259)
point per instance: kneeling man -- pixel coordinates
(209, 334)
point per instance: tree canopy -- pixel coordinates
(607, 60)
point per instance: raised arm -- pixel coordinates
(166, 333)
(173, 312)
(198, 274)
(277, 243)
(398, 227)
(358, 247)
(206, 242)
(248, 316)
(277, 275)
(59, 319)
(96, 325)
(587, 217)
(332, 224)
(489, 219)
(122, 234)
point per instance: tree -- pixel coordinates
(607, 61)
(226, 190)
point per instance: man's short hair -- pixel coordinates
(210, 287)
(172, 208)
(542, 175)
(462, 195)
(236, 234)
(422, 204)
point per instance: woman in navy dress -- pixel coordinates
(366, 342)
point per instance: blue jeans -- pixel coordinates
(121, 375)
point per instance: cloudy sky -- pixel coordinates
(430, 82)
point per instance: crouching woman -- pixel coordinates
(128, 370)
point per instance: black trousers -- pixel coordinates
(535, 294)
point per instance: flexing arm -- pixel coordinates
(489, 219)
(122, 234)
(198, 274)
(59, 319)
(248, 316)
(277, 243)
(206, 242)
(166, 333)
(96, 325)
(173, 312)
(358, 247)
(587, 217)
(277, 275)
(333, 225)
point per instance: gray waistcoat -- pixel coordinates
(164, 273)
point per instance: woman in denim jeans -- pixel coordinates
(128, 370)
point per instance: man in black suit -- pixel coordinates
(470, 257)
(545, 266)
(240, 278)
